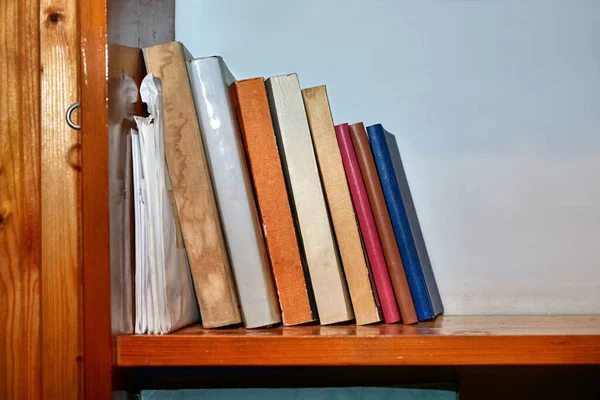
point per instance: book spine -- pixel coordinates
(250, 100)
(415, 227)
(338, 199)
(383, 223)
(308, 203)
(193, 190)
(367, 226)
(404, 239)
(208, 77)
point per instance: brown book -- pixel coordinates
(340, 205)
(193, 190)
(383, 223)
(252, 106)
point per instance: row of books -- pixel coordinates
(283, 216)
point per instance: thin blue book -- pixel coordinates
(400, 222)
(415, 226)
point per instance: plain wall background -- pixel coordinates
(496, 108)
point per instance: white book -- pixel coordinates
(164, 297)
(300, 166)
(210, 82)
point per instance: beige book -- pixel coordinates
(308, 202)
(193, 190)
(340, 205)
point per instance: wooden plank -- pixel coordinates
(60, 213)
(464, 340)
(97, 348)
(19, 200)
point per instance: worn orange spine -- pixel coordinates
(251, 103)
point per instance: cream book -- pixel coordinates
(193, 189)
(308, 202)
(210, 80)
(340, 205)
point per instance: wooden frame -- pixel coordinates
(95, 225)
(112, 32)
(450, 341)
(20, 201)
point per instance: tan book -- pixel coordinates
(250, 100)
(193, 190)
(308, 202)
(340, 205)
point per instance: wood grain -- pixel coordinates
(60, 208)
(95, 223)
(20, 369)
(464, 340)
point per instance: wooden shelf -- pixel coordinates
(448, 340)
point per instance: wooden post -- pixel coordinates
(60, 205)
(19, 200)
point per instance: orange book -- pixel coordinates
(250, 99)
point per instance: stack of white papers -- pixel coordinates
(164, 293)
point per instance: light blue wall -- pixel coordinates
(496, 107)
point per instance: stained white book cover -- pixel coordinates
(302, 175)
(210, 80)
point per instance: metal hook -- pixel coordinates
(70, 110)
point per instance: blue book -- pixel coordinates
(400, 223)
(415, 227)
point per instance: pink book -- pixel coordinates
(360, 199)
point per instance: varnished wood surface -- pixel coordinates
(452, 340)
(20, 369)
(97, 349)
(60, 193)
